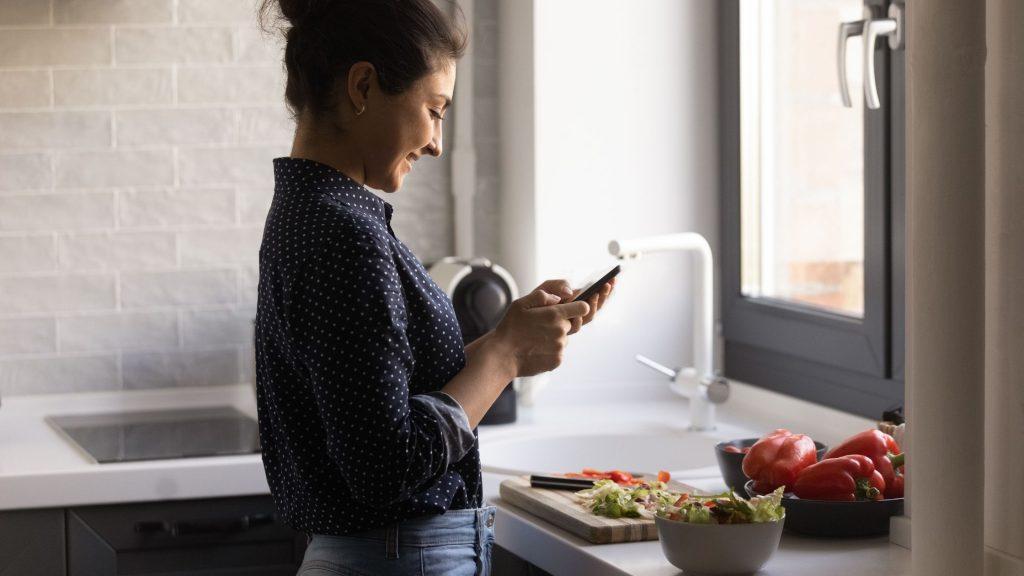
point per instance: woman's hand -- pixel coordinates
(535, 329)
(562, 288)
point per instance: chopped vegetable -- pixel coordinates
(618, 476)
(736, 449)
(883, 451)
(607, 498)
(725, 508)
(850, 477)
(664, 476)
(778, 458)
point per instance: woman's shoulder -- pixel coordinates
(324, 231)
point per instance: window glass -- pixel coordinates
(801, 156)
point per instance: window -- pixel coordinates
(812, 204)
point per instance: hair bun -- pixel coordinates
(296, 11)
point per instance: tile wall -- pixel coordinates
(136, 139)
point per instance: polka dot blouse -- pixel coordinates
(353, 343)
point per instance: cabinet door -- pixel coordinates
(195, 537)
(32, 542)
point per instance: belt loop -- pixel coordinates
(391, 542)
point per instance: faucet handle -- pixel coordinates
(658, 367)
(716, 389)
(686, 372)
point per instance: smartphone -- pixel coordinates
(595, 286)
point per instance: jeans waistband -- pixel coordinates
(452, 527)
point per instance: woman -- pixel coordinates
(367, 398)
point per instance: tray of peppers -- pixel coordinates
(852, 491)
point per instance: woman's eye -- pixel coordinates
(436, 114)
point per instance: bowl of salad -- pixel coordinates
(720, 534)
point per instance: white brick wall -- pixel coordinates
(136, 139)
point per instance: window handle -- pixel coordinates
(891, 27)
(846, 31)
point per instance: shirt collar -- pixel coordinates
(326, 179)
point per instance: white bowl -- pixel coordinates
(711, 549)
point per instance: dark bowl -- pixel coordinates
(837, 519)
(731, 463)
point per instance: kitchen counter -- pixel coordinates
(559, 552)
(39, 468)
(749, 412)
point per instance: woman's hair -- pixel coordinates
(404, 40)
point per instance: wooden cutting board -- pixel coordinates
(563, 509)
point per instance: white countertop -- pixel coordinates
(40, 468)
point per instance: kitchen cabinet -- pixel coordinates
(32, 542)
(208, 537)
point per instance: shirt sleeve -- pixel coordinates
(349, 321)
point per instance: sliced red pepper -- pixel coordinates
(847, 478)
(621, 477)
(777, 459)
(664, 476)
(617, 476)
(884, 452)
(682, 498)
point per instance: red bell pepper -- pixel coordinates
(851, 477)
(884, 452)
(777, 459)
(617, 476)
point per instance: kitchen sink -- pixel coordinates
(685, 453)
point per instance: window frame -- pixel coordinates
(847, 363)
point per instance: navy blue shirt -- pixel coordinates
(353, 343)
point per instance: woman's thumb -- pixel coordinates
(539, 298)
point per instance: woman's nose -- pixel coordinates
(434, 148)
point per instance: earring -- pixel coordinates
(361, 110)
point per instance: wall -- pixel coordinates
(610, 119)
(136, 139)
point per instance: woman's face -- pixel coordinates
(398, 129)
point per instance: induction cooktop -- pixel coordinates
(161, 434)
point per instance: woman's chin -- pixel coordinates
(390, 184)
(395, 182)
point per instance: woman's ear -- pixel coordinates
(360, 77)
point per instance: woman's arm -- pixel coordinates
(490, 366)
(475, 345)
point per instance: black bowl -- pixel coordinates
(731, 463)
(837, 519)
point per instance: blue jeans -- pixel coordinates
(456, 543)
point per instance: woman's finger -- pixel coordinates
(576, 324)
(558, 287)
(593, 309)
(606, 293)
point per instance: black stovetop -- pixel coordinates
(161, 434)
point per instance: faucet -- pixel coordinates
(700, 383)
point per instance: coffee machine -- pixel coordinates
(481, 293)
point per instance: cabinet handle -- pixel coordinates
(214, 526)
(846, 31)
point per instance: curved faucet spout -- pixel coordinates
(702, 410)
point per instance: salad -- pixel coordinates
(725, 508)
(610, 499)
